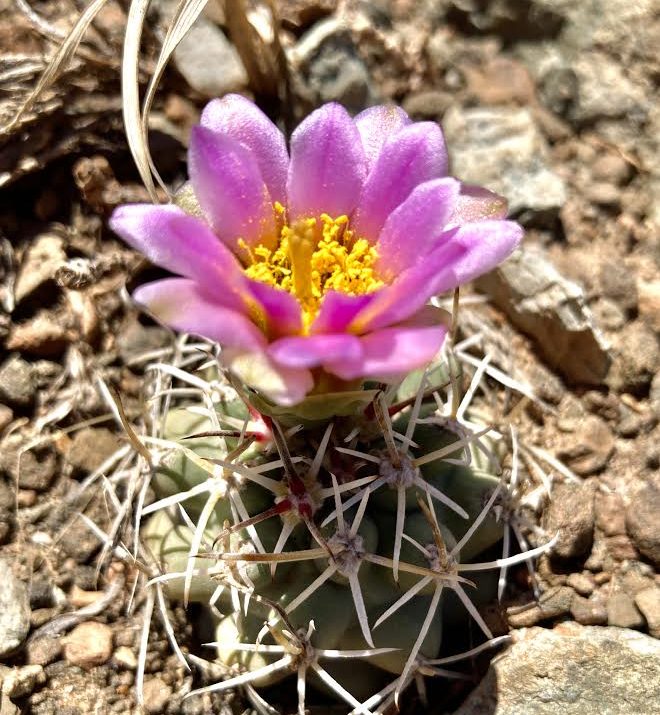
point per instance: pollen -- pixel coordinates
(315, 256)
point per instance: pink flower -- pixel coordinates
(316, 265)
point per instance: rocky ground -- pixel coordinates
(549, 102)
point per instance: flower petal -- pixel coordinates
(241, 119)
(182, 244)
(314, 350)
(408, 158)
(281, 310)
(282, 385)
(461, 254)
(477, 204)
(179, 304)
(328, 166)
(411, 229)
(338, 310)
(230, 189)
(376, 125)
(390, 353)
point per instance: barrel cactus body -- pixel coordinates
(346, 537)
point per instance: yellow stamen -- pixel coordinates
(313, 257)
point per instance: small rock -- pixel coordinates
(331, 67)
(208, 61)
(89, 644)
(611, 168)
(590, 447)
(571, 670)
(581, 583)
(642, 520)
(502, 148)
(125, 657)
(649, 303)
(571, 514)
(43, 651)
(16, 383)
(33, 469)
(135, 339)
(618, 284)
(7, 509)
(621, 548)
(553, 603)
(552, 310)
(610, 513)
(501, 81)
(90, 447)
(45, 335)
(648, 602)
(7, 707)
(608, 313)
(427, 105)
(603, 194)
(622, 612)
(604, 91)
(589, 611)
(156, 695)
(6, 416)
(42, 259)
(14, 610)
(20, 682)
(637, 356)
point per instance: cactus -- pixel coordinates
(356, 537)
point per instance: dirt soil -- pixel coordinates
(568, 85)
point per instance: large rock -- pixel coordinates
(14, 610)
(552, 310)
(502, 149)
(571, 670)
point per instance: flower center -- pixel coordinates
(315, 256)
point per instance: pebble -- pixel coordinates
(589, 611)
(648, 602)
(331, 67)
(16, 382)
(538, 300)
(156, 695)
(617, 284)
(90, 447)
(6, 416)
(571, 670)
(611, 168)
(89, 644)
(208, 61)
(502, 148)
(45, 335)
(125, 657)
(603, 194)
(43, 257)
(501, 81)
(7, 508)
(649, 303)
(589, 448)
(581, 583)
(571, 514)
(622, 612)
(20, 682)
(636, 358)
(427, 105)
(553, 603)
(610, 513)
(135, 339)
(43, 651)
(14, 610)
(642, 521)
